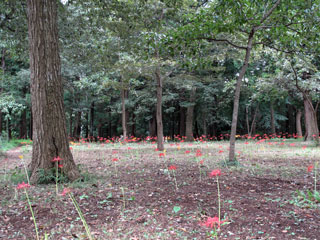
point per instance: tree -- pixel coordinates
(49, 128)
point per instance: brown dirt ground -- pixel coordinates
(258, 198)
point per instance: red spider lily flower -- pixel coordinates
(157, 149)
(23, 185)
(304, 147)
(292, 144)
(201, 162)
(56, 159)
(214, 173)
(310, 168)
(198, 154)
(221, 151)
(212, 221)
(172, 167)
(115, 160)
(161, 155)
(129, 148)
(65, 191)
(187, 152)
(70, 148)
(246, 143)
(60, 165)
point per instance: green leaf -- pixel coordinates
(176, 209)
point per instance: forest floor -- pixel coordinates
(136, 197)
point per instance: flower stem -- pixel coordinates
(33, 218)
(81, 216)
(57, 178)
(219, 205)
(315, 176)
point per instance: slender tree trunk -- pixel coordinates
(70, 123)
(3, 67)
(133, 127)
(247, 120)
(272, 123)
(86, 126)
(153, 126)
(31, 125)
(159, 110)
(124, 122)
(237, 98)
(298, 123)
(204, 124)
(189, 119)
(92, 119)
(77, 126)
(50, 134)
(182, 123)
(291, 120)
(312, 130)
(23, 125)
(239, 80)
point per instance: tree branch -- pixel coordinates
(270, 11)
(223, 40)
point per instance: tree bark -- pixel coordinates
(298, 123)
(70, 123)
(23, 125)
(182, 122)
(153, 126)
(49, 133)
(160, 142)
(189, 118)
(86, 125)
(272, 119)
(310, 115)
(92, 119)
(77, 126)
(133, 127)
(239, 80)
(237, 98)
(124, 119)
(3, 67)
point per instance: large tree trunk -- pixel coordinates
(272, 119)
(159, 110)
(189, 119)
(310, 115)
(123, 116)
(50, 134)
(298, 123)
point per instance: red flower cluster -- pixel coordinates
(56, 159)
(23, 185)
(65, 191)
(310, 168)
(214, 173)
(212, 221)
(172, 167)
